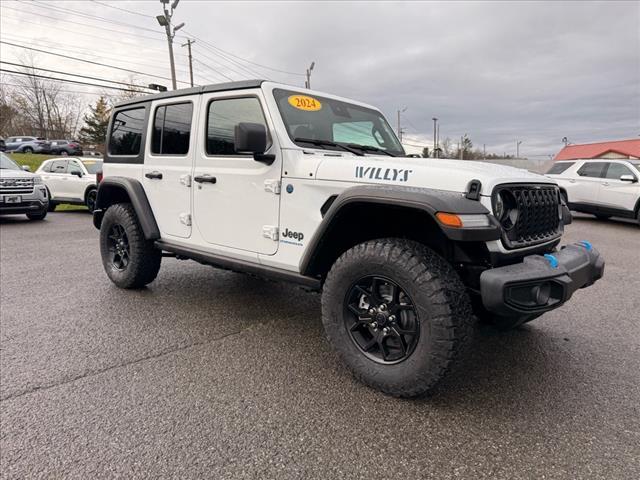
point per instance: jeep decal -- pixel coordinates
(296, 236)
(379, 173)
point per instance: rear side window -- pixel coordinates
(559, 168)
(172, 129)
(616, 170)
(59, 166)
(126, 132)
(222, 118)
(594, 170)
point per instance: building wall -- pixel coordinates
(612, 155)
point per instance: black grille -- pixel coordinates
(538, 215)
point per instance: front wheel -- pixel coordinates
(90, 199)
(129, 259)
(397, 314)
(38, 215)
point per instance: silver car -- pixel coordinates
(21, 191)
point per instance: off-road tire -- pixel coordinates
(144, 258)
(38, 215)
(442, 305)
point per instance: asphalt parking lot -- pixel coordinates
(220, 375)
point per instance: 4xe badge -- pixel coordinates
(297, 237)
(379, 173)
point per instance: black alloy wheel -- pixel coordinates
(118, 245)
(381, 319)
(91, 199)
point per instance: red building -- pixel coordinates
(617, 149)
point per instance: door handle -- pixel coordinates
(605, 184)
(572, 181)
(154, 175)
(204, 179)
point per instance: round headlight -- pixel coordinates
(498, 207)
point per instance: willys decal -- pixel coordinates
(381, 173)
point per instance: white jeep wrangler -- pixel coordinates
(314, 189)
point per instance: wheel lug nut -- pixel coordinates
(383, 307)
(372, 311)
(392, 318)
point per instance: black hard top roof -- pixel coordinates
(218, 87)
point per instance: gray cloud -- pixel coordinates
(497, 71)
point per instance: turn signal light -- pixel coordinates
(449, 219)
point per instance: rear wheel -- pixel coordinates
(397, 314)
(27, 150)
(130, 260)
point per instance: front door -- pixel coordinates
(615, 193)
(584, 188)
(234, 202)
(168, 163)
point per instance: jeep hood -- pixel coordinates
(436, 173)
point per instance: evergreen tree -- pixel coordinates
(96, 122)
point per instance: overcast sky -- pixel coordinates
(500, 72)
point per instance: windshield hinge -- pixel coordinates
(185, 180)
(272, 186)
(185, 219)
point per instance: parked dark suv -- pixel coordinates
(3, 145)
(65, 147)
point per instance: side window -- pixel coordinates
(593, 170)
(59, 166)
(47, 167)
(74, 167)
(616, 170)
(126, 132)
(172, 129)
(222, 118)
(559, 168)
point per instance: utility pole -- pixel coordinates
(461, 148)
(307, 83)
(518, 148)
(435, 137)
(399, 128)
(188, 45)
(484, 151)
(165, 21)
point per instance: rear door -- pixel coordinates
(585, 187)
(168, 164)
(57, 178)
(76, 181)
(615, 193)
(236, 203)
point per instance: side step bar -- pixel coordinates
(242, 266)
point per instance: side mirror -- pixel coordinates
(628, 178)
(250, 138)
(26, 168)
(77, 173)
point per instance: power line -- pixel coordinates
(73, 74)
(212, 69)
(78, 82)
(85, 61)
(121, 9)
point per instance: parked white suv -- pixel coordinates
(71, 180)
(604, 188)
(315, 189)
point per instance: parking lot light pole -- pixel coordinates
(435, 138)
(165, 21)
(518, 142)
(307, 84)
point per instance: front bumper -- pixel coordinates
(37, 201)
(541, 282)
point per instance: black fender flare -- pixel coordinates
(427, 200)
(111, 190)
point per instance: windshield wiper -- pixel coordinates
(327, 143)
(370, 148)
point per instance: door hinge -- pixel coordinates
(185, 218)
(272, 186)
(269, 231)
(185, 180)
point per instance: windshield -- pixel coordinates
(92, 166)
(7, 163)
(326, 121)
